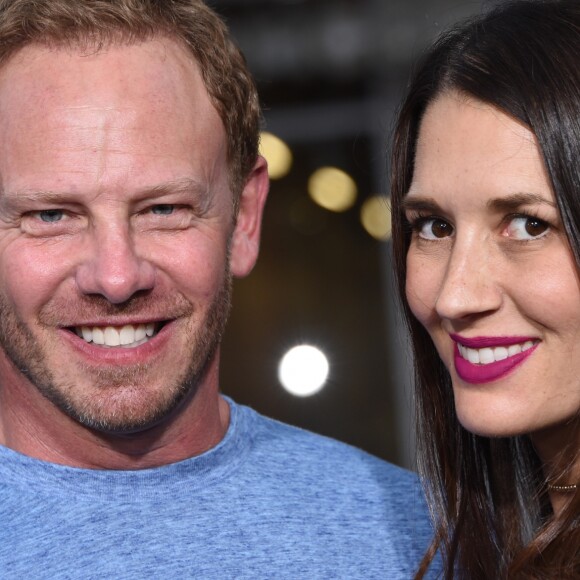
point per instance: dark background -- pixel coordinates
(330, 75)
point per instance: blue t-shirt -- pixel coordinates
(270, 501)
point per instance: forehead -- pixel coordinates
(63, 111)
(466, 144)
(158, 68)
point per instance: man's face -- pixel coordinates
(115, 228)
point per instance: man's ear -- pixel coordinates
(246, 236)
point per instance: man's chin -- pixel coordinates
(124, 410)
(122, 401)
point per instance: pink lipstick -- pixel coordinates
(490, 341)
(475, 373)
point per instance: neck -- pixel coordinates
(558, 448)
(33, 426)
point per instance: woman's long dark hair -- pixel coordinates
(489, 500)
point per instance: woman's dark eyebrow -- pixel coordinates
(417, 203)
(517, 200)
(508, 203)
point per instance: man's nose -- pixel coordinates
(113, 268)
(469, 286)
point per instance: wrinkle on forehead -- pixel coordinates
(101, 130)
(106, 118)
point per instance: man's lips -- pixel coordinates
(140, 351)
(110, 335)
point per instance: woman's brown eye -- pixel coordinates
(441, 229)
(525, 227)
(433, 228)
(535, 227)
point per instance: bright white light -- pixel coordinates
(303, 370)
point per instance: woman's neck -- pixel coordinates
(559, 450)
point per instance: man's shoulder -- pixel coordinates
(345, 490)
(322, 455)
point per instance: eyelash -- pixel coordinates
(415, 223)
(530, 215)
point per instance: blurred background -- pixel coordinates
(330, 74)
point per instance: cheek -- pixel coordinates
(554, 302)
(421, 288)
(194, 264)
(30, 274)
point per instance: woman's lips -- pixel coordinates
(490, 341)
(483, 353)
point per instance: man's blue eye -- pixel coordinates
(163, 209)
(51, 215)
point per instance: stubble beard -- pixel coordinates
(118, 403)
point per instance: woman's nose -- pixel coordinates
(469, 285)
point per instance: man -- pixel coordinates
(131, 192)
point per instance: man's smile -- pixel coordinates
(127, 336)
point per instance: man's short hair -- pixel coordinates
(92, 25)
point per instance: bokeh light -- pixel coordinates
(277, 154)
(303, 370)
(375, 216)
(332, 189)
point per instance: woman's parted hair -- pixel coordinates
(95, 24)
(489, 499)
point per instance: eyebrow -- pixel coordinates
(419, 204)
(516, 200)
(508, 203)
(182, 185)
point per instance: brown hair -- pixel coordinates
(94, 24)
(493, 517)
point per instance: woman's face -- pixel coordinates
(489, 270)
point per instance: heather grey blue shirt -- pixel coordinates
(270, 501)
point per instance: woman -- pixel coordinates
(486, 230)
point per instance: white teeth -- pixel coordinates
(500, 353)
(98, 335)
(140, 333)
(472, 355)
(488, 355)
(112, 337)
(127, 336)
(514, 349)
